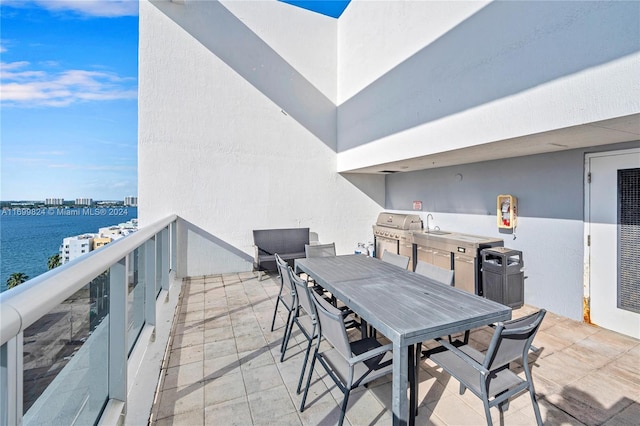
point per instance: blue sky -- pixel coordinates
(333, 8)
(68, 94)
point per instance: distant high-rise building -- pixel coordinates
(131, 201)
(84, 201)
(54, 201)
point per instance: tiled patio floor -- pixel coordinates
(223, 368)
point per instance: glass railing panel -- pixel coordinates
(135, 296)
(65, 359)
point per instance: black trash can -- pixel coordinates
(503, 276)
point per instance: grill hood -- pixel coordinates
(399, 221)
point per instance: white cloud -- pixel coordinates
(99, 8)
(8, 67)
(21, 86)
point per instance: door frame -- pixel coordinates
(587, 226)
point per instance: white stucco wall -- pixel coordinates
(233, 137)
(449, 75)
(286, 30)
(375, 36)
(248, 109)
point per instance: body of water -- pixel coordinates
(29, 236)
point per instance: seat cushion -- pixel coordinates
(469, 376)
(292, 256)
(364, 372)
(267, 262)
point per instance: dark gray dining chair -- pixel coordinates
(441, 275)
(305, 318)
(286, 296)
(436, 273)
(488, 375)
(395, 259)
(349, 364)
(320, 250)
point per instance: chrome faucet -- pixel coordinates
(428, 221)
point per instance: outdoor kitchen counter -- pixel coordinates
(450, 238)
(457, 251)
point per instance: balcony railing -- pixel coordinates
(73, 339)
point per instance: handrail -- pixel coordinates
(23, 305)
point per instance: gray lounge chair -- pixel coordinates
(488, 375)
(348, 364)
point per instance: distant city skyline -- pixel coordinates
(68, 199)
(68, 94)
(76, 200)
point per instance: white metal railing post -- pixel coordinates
(157, 284)
(164, 259)
(118, 347)
(5, 385)
(19, 376)
(173, 244)
(162, 267)
(149, 281)
(11, 381)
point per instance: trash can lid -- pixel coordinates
(501, 250)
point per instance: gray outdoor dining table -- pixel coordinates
(405, 307)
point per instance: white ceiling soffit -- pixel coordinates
(616, 130)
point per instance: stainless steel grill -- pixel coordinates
(392, 232)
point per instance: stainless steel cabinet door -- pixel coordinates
(464, 275)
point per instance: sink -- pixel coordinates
(436, 232)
